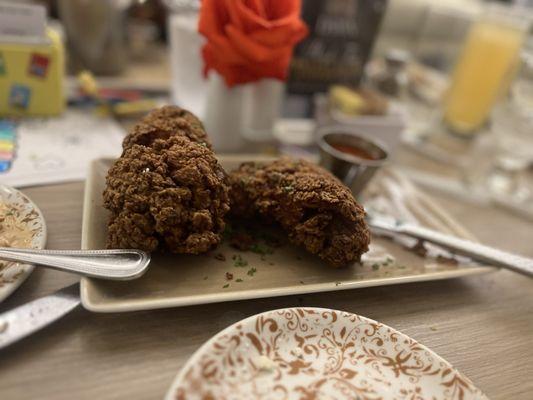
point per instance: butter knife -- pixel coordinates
(28, 318)
(475, 251)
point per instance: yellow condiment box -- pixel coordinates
(31, 77)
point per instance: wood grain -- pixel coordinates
(483, 325)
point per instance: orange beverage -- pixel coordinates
(484, 70)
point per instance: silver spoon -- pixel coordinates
(103, 264)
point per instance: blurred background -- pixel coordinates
(445, 86)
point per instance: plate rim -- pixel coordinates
(152, 304)
(15, 285)
(204, 346)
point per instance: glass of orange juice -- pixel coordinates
(484, 69)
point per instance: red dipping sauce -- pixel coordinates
(354, 151)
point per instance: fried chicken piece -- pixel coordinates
(163, 123)
(172, 195)
(315, 208)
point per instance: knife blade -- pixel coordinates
(476, 251)
(28, 318)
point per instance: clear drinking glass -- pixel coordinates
(484, 69)
(442, 34)
(189, 87)
(512, 129)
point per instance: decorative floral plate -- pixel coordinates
(314, 353)
(18, 213)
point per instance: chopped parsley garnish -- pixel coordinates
(261, 249)
(287, 189)
(251, 271)
(239, 280)
(375, 267)
(238, 261)
(225, 286)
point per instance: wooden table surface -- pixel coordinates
(483, 324)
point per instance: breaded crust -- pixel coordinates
(163, 123)
(315, 208)
(169, 193)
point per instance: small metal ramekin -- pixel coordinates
(355, 172)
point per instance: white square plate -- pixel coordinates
(180, 280)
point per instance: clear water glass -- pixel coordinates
(511, 127)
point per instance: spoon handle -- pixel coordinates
(105, 264)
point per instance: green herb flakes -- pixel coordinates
(287, 189)
(238, 261)
(261, 249)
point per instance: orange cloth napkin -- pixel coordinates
(250, 39)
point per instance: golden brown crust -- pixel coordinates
(171, 194)
(163, 123)
(313, 206)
